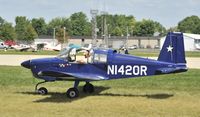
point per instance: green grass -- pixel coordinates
(155, 53)
(155, 96)
(42, 52)
(145, 52)
(137, 52)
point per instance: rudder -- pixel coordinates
(173, 49)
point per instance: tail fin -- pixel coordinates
(173, 49)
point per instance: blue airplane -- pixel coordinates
(107, 64)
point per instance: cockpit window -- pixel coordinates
(63, 53)
(68, 54)
(100, 58)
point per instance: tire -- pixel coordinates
(88, 88)
(5, 49)
(42, 91)
(72, 93)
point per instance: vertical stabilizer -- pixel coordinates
(173, 49)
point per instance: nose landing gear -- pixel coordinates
(41, 90)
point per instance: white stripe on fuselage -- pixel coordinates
(127, 70)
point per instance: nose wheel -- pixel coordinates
(41, 90)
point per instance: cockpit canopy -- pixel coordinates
(96, 55)
(68, 54)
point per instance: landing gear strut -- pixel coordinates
(41, 90)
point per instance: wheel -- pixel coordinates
(88, 88)
(42, 91)
(72, 93)
(5, 49)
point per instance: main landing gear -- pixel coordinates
(88, 88)
(71, 92)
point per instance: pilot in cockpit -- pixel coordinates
(85, 58)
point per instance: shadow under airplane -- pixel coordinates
(61, 97)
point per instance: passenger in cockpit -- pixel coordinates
(84, 60)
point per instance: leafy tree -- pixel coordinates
(24, 29)
(60, 35)
(189, 24)
(80, 25)
(131, 24)
(1, 21)
(117, 24)
(7, 32)
(67, 25)
(173, 29)
(198, 29)
(117, 31)
(144, 28)
(30, 33)
(20, 27)
(159, 28)
(58, 22)
(39, 25)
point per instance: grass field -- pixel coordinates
(155, 53)
(137, 52)
(43, 52)
(159, 96)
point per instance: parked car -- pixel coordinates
(148, 47)
(9, 43)
(132, 47)
(156, 47)
(3, 46)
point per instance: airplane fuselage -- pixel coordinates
(107, 64)
(115, 69)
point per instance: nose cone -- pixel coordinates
(26, 64)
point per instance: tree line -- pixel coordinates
(79, 25)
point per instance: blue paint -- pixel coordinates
(107, 64)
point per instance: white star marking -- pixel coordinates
(169, 49)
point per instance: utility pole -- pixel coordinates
(105, 28)
(54, 36)
(64, 34)
(63, 38)
(94, 26)
(127, 36)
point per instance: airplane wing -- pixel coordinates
(24, 49)
(79, 76)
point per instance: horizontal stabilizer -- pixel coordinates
(170, 70)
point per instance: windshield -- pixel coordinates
(68, 54)
(64, 53)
